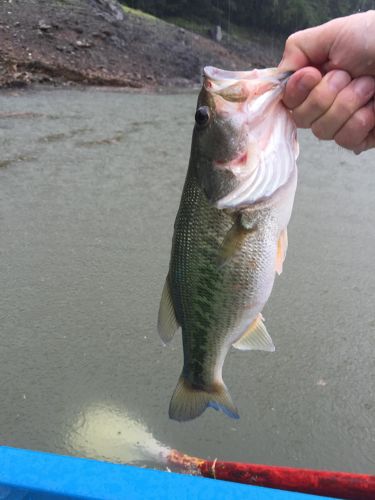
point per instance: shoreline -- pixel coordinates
(98, 43)
(81, 87)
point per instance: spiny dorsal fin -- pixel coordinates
(256, 337)
(167, 322)
(282, 246)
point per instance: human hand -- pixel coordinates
(335, 105)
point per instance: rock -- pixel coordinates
(109, 9)
(83, 44)
(43, 26)
(62, 48)
(99, 35)
(218, 34)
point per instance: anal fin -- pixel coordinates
(255, 337)
(167, 322)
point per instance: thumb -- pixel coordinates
(309, 47)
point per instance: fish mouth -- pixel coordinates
(217, 74)
(243, 86)
(255, 125)
(251, 92)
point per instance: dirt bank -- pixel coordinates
(96, 42)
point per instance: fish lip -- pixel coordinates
(216, 74)
(217, 80)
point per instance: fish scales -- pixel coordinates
(222, 265)
(210, 299)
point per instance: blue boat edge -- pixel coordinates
(27, 474)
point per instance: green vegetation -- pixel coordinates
(138, 12)
(274, 16)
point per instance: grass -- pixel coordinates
(137, 12)
(238, 33)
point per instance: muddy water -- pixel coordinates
(89, 186)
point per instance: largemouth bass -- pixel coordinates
(230, 233)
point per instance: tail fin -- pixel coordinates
(188, 403)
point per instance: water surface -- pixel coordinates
(90, 183)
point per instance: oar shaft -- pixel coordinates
(332, 484)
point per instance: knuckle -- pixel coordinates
(345, 140)
(365, 119)
(319, 100)
(362, 121)
(355, 131)
(321, 132)
(291, 40)
(300, 119)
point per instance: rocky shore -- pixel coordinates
(97, 42)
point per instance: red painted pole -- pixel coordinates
(331, 484)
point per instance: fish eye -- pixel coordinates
(202, 116)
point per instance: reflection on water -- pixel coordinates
(109, 433)
(89, 188)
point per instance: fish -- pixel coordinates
(230, 233)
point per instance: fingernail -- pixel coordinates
(337, 79)
(364, 86)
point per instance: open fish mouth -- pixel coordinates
(249, 105)
(218, 80)
(223, 74)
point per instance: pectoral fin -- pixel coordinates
(167, 322)
(282, 246)
(233, 241)
(256, 337)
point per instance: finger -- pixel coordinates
(353, 97)
(321, 98)
(309, 47)
(357, 128)
(300, 85)
(368, 143)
